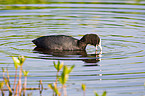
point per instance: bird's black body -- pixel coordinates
(63, 42)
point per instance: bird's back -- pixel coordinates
(57, 42)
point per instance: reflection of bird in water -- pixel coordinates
(63, 42)
(71, 55)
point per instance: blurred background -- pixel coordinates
(120, 70)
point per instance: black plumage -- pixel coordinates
(63, 42)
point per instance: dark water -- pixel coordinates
(120, 70)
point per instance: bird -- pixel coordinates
(64, 42)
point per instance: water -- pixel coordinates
(120, 23)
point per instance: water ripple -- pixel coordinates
(119, 24)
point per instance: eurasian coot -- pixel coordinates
(63, 42)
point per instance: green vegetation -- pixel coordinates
(46, 1)
(24, 4)
(84, 89)
(58, 67)
(104, 94)
(22, 1)
(19, 90)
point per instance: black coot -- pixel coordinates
(63, 42)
